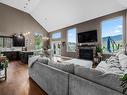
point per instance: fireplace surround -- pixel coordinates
(86, 52)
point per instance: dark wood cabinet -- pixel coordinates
(24, 56)
(11, 55)
(18, 55)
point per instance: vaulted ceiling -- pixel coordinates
(57, 14)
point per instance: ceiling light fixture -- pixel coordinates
(27, 33)
(45, 38)
(26, 4)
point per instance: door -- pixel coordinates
(56, 47)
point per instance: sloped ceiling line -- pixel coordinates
(57, 14)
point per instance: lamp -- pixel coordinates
(27, 33)
(45, 38)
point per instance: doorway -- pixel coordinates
(56, 47)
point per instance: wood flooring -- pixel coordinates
(18, 81)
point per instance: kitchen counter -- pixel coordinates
(24, 56)
(18, 55)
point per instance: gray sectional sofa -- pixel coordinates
(52, 80)
(79, 80)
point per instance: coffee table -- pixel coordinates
(60, 58)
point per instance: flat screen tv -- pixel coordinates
(18, 40)
(88, 36)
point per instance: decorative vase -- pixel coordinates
(99, 54)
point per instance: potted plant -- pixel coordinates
(0, 52)
(123, 80)
(98, 51)
(3, 63)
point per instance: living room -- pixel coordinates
(77, 49)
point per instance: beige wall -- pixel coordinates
(89, 25)
(15, 21)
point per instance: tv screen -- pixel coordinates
(89, 36)
(18, 40)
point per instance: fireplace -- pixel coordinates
(86, 53)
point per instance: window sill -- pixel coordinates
(71, 52)
(108, 54)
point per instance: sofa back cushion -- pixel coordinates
(80, 86)
(88, 73)
(123, 60)
(80, 62)
(67, 67)
(99, 77)
(44, 60)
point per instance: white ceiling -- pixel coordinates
(57, 14)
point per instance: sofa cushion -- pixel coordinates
(53, 81)
(68, 67)
(121, 56)
(108, 67)
(80, 62)
(119, 52)
(88, 73)
(123, 60)
(99, 76)
(113, 59)
(32, 60)
(44, 60)
(80, 86)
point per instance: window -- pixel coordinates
(1, 41)
(38, 41)
(112, 34)
(56, 35)
(8, 42)
(5, 42)
(71, 40)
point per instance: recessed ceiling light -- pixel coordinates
(26, 3)
(45, 19)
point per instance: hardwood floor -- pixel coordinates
(18, 81)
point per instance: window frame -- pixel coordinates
(6, 37)
(56, 38)
(67, 40)
(35, 41)
(123, 33)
